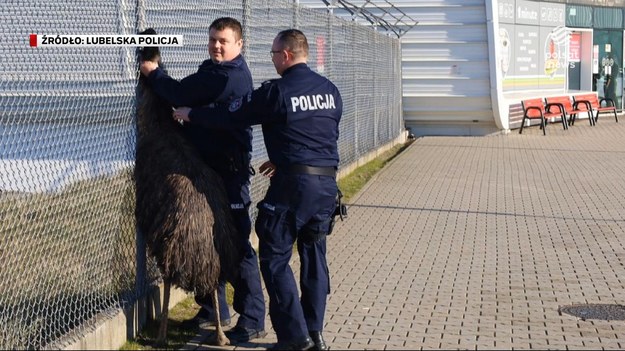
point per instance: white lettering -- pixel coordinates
(527, 13)
(313, 102)
(294, 102)
(111, 40)
(322, 105)
(303, 102)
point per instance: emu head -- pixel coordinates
(153, 111)
(150, 53)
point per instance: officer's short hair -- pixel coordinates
(295, 41)
(228, 22)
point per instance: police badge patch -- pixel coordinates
(235, 104)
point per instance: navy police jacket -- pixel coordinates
(213, 82)
(299, 114)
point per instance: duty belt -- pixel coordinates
(312, 170)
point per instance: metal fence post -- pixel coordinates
(246, 26)
(140, 244)
(355, 93)
(330, 46)
(376, 88)
(295, 13)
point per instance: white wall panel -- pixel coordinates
(428, 33)
(446, 15)
(443, 104)
(425, 88)
(416, 53)
(442, 69)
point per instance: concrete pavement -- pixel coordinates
(477, 242)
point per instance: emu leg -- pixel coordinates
(220, 336)
(162, 330)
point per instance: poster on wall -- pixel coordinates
(553, 57)
(526, 57)
(506, 54)
(533, 45)
(575, 48)
(506, 11)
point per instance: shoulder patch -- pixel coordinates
(235, 104)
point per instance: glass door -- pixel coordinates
(575, 61)
(608, 79)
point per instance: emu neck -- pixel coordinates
(154, 114)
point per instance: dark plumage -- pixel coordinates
(182, 208)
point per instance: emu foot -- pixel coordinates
(161, 338)
(160, 342)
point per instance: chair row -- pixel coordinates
(561, 107)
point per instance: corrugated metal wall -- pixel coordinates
(446, 80)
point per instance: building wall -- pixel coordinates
(457, 83)
(446, 78)
(553, 48)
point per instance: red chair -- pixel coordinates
(591, 102)
(570, 110)
(536, 109)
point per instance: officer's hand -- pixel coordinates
(181, 114)
(267, 169)
(146, 67)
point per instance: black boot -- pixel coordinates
(317, 338)
(304, 344)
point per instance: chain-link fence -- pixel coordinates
(68, 247)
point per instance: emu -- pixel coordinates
(182, 208)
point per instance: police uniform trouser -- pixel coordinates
(297, 207)
(248, 298)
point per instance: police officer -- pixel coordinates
(219, 79)
(300, 115)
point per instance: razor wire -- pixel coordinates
(68, 248)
